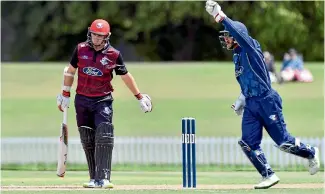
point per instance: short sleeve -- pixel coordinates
(74, 59)
(120, 68)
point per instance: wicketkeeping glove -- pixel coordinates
(214, 9)
(239, 105)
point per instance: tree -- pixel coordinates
(159, 30)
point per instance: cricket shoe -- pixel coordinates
(90, 184)
(267, 182)
(314, 163)
(104, 183)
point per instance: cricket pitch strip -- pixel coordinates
(160, 187)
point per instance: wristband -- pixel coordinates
(66, 88)
(65, 93)
(138, 96)
(219, 17)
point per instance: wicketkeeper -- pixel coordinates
(260, 105)
(95, 60)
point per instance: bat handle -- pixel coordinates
(65, 110)
(65, 115)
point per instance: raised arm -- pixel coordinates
(236, 29)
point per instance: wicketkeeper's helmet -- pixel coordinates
(100, 27)
(225, 33)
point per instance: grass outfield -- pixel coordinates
(204, 91)
(270, 191)
(159, 182)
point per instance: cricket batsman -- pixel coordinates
(95, 60)
(260, 105)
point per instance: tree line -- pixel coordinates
(158, 30)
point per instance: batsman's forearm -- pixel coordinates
(130, 83)
(68, 76)
(68, 81)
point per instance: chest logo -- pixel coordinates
(239, 71)
(105, 61)
(84, 57)
(92, 71)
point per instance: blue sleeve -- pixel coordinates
(243, 39)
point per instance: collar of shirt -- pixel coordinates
(237, 50)
(101, 50)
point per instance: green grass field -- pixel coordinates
(161, 182)
(204, 91)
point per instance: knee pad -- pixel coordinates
(250, 153)
(288, 145)
(87, 137)
(105, 134)
(244, 146)
(294, 146)
(248, 149)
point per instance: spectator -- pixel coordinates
(293, 68)
(270, 66)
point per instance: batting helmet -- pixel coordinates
(100, 27)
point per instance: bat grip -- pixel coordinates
(65, 115)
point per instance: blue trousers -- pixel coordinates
(264, 112)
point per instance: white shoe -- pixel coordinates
(104, 183)
(314, 163)
(267, 182)
(90, 184)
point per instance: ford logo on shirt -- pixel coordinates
(92, 71)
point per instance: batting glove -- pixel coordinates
(239, 105)
(145, 102)
(214, 9)
(63, 100)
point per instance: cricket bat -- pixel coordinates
(63, 145)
